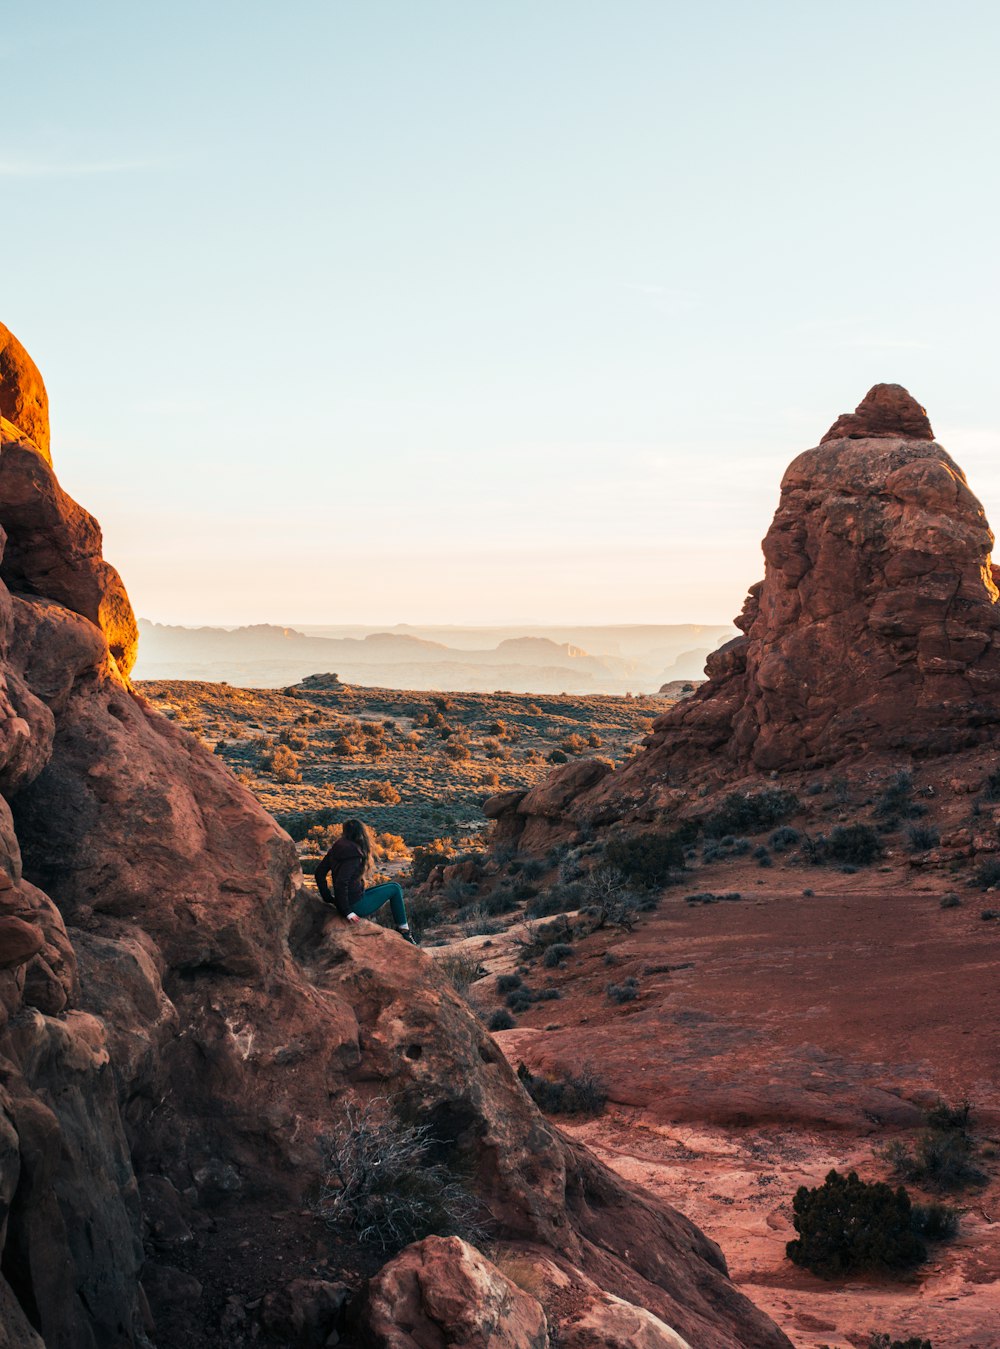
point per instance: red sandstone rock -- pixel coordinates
(199, 1018)
(23, 400)
(19, 941)
(876, 629)
(885, 410)
(441, 1292)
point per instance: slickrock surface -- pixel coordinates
(180, 1023)
(876, 630)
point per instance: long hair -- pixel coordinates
(361, 836)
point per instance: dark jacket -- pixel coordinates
(345, 865)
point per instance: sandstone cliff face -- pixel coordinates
(876, 629)
(180, 1022)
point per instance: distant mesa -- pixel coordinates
(321, 681)
(875, 630)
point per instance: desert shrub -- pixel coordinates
(385, 1184)
(650, 859)
(460, 969)
(883, 1341)
(293, 739)
(424, 910)
(950, 902)
(558, 899)
(437, 853)
(762, 856)
(520, 999)
(458, 892)
(745, 813)
(282, 764)
(582, 1093)
(847, 1224)
(615, 903)
(935, 1222)
(947, 1117)
(784, 838)
(557, 756)
(944, 1155)
(506, 983)
(556, 954)
(922, 837)
(988, 915)
(896, 800)
(382, 791)
(573, 743)
(988, 873)
(855, 844)
(624, 992)
(501, 1020)
(498, 902)
(457, 749)
(347, 746)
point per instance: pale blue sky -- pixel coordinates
(544, 293)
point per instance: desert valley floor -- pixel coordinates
(784, 1018)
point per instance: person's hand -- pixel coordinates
(353, 918)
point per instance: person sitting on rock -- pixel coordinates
(349, 865)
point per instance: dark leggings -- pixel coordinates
(390, 893)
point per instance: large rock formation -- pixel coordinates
(181, 1023)
(876, 630)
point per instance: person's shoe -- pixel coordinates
(407, 935)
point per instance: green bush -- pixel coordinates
(743, 813)
(943, 1157)
(582, 1093)
(849, 844)
(650, 859)
(624, 992)
(847, 1224)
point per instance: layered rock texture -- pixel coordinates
(181, 1024)
(875, 630)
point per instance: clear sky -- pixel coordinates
(487, 310)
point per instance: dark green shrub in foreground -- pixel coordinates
(847, 1224)
(740, 813)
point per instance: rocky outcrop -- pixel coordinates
(23, 400)
(181, 1022)
(443, 1292)
(876, 630)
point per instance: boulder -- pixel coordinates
(441, 1293)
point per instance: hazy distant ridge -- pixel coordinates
(566, 659)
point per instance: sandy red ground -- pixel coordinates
(807, 1033)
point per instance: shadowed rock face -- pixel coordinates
(180, 1022)
(876, 629)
